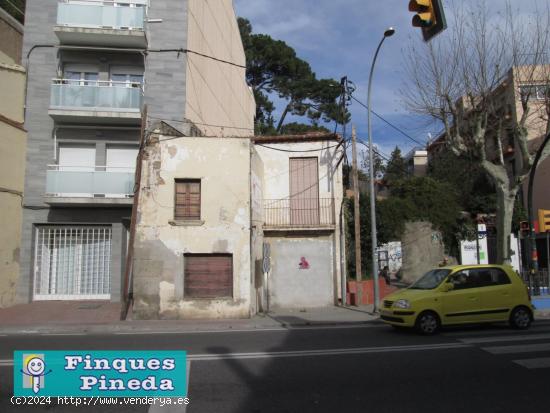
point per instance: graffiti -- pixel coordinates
(304, 265)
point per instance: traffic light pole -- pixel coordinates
(532, 239)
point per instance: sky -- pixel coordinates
(339, 37)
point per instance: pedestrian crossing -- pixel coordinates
(527, 348)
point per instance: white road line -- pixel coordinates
(518, 337)
(504, 331)
(306, 353)
(327, 352)
(537, 363)
(63, 334)
(522, 348)
(254, 330)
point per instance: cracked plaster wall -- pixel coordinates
(223, 166)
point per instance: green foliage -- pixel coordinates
(396, 168)
(273, 67)
(476, 193)
(16, 8)
(295, 128)
(414, 199)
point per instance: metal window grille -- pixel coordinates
(72, 262)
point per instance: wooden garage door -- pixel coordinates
(208, 275)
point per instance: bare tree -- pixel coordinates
(486, 80)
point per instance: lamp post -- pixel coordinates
(389, 32)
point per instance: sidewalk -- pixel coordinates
(103, 317)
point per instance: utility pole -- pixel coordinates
(356, 218)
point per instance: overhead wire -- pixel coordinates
(389, 123)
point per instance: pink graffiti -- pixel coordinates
(304, 265)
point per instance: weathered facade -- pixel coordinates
(167, 244)
(12, 154)
(302, 199)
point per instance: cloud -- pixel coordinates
(339, 38)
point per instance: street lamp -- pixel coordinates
(389, 32)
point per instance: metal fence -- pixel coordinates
(538, 283)
(310, 212)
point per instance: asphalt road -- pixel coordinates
(321, 369)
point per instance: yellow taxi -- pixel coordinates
(461, 294)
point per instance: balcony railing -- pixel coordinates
(299, 213)
(129, 14)
(78, 181)
(95, 95)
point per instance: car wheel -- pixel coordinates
(427, 323)
(520, 318)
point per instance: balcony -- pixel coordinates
(93, 186)
(102, 23)
(95, 102)
(299, 214)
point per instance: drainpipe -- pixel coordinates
(27, 68)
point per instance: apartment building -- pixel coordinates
(93, 65)
(12, 153)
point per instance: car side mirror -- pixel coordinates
(448, 286)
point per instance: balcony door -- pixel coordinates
(304, 191)
(79, 158)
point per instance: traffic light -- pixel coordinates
(429, 16)
(544, 220)
(524, 229)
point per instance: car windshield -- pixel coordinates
(430, 280)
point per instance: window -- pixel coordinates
(81, 78)
(479, 277)
(126, 80)
(187, 199)
(539, 92)
(208, 275)
(72, 262)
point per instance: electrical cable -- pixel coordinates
(182, 50)
(197, 123)
(389, 123)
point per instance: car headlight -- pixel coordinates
(402, 304)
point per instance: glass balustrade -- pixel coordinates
(98, 95)
(101, 14)
(73, 183)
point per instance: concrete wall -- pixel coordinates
(217, 93)
(11, 38)
(258, 293)
(277, 184)
(223, 166)
(165, 72)
(292, 286)
(12, 170)
(422, 250)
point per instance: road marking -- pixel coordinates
(327, 352)
(250, 330)
(180, 408)
(522, 348)
(537, 363)
(230, 330)
(306, 353)
(518, 337)
(484, 332)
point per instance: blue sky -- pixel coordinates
(339, 37)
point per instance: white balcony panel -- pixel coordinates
(71, 102)
(101, 23)
(89, 187)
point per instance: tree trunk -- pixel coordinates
(505, 206)
(283, 116)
